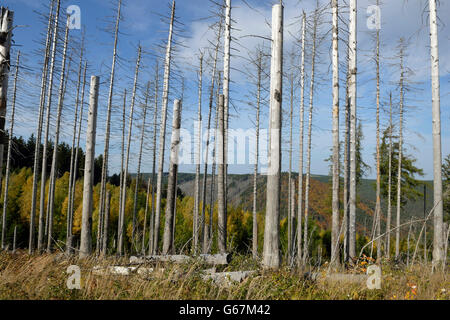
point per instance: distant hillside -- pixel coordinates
(240, 193)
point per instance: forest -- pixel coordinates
(100, 168)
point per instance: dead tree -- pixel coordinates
(439, 231)
(271, 252)
(222, 214)
(389, 208)
(8, 157)
(335, 185)
(124, 106)
(108, 114)
(195, 232)
(72, 160)
(300, 165)
(151, 228)
(37, 146)
(168, 244)
(352, 100)
(138, 174)
(41, 230)
(69, 243)
(308, 151)
(162, 136)
(6, 28)
(86, 223)
(127, 159)
(54, 168)
(106, 223)
(226, 84)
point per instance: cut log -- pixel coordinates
(214, 259)
(227, 278)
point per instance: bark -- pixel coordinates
(197, 161)
(400, 155)
(8, 157)
(308, 151)
(222, 214)
(106, 223)
(155, 131)
(121, 235)
(290, 192)
(162, 136)
(72, 160)
(205, 173)
(44, 77)
(168, 245)
(255, 174)
(226, 85)
(86, 222)
(352, 99)
(69, 244)
(138, 175)
(300, 165)
(271, 252)
(438, 240)
(335, 184)
(389, 209)
(108, 114)
(122, 155)
(54, 168)
(41, 229)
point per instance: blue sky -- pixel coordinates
(142, 24)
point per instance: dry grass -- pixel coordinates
(44, 277)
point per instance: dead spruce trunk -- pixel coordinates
(438, 242)
(335, 185)
(104, 175)
(352, 98)
(271, 253)
(162, 136)
(86, 222)
(37, 146)
(119, 226)
(389, 209)
(226, 85)
(127, 160)
(222, 214)
(168, 245)
(54, 168)
(8, 156)
(41, 230)
(106, 223)
(300, 161)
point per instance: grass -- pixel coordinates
(44, 277)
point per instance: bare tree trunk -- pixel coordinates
(346, 191)
(86, 223)
(205, 173)
(104, 175)
(69, 243)
(168, 245)
(6, 27)
(41, 230)
(122, 155)
(376, 231)
(300, 161)
(290, 193)
(389, 210)
(292, 220)
(72, 160)
(54, 168)
(44, 77)
(155, 130)
(138, 174)
(308, 152)
(352, 97)
(226, 87)
(144, 231)
(400, 155)
(335, 193)
(271, 253)
(255, 175)
(8, 157)
(195, 232)
(127, 159)
(106, 224)
(222, 214)
(438, 242)
(162, 136)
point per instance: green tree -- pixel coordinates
(409, 184)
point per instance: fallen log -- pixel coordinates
(226, 278)
(123, 271)
(213, 259)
